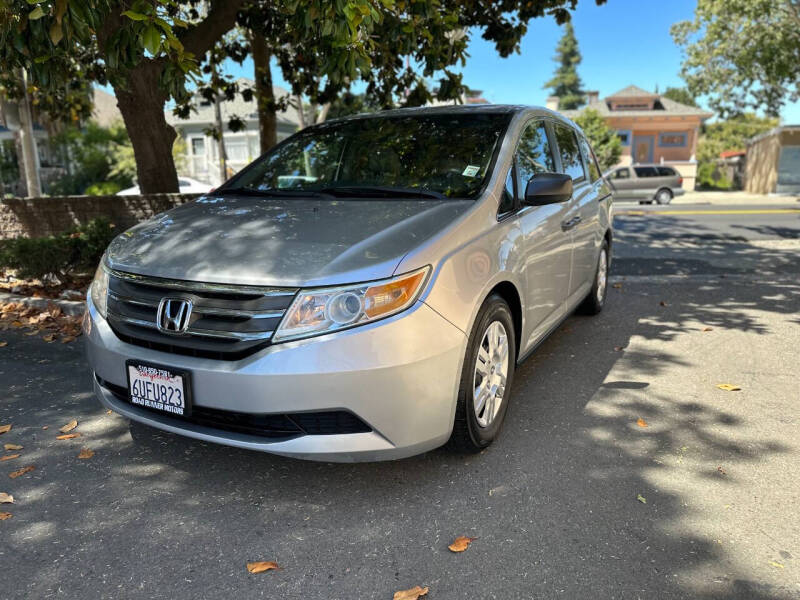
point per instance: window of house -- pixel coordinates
(533, 154)
(198, 146)
(633, 106)
(622, 173)
(588, 156)
(571, 161)
(236, 149)
(672, 139)
(624, 137)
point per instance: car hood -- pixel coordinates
(281, 242)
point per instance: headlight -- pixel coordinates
(323, 310)
(100, 289)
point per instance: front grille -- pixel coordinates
(227, 322)
(275, 426)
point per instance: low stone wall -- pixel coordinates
(38, 217)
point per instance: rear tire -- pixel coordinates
(486, 378)
(596, 300)
(664, 196)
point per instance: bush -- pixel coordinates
(106, 188)
(63, 256)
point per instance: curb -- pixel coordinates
(73, 308)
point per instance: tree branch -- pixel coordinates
(198, 39)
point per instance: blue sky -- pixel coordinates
(623, 42)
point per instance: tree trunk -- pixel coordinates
(142, 106)
(265, 96)
(30, 160)
(301, 115)
(323, 113)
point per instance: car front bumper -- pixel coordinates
(400, 376)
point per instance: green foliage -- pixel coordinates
(742, 53)
(351, 104)
(604, 140)
(711, 176)
(106, 188)
(566, 84)
(92, 152)
(74, 252)
(681, 95)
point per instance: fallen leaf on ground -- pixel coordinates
(50, 337)
(68, 436)
(33, 332)
(5, 428)
(86, 453)
(46, 426)
(16, 324)
(6, 498)
(21, 471)
(261, 566)
(109, 411)
(617, 285)
(619, 348)
(10, 456)
(69, 426)
(3, 344)
(641, 422)
(4, 516)
(68, 339)
(728, 387)
(662, 303)
(461, 543)
(721, 470)
(12, 446)
(776, 564)
(411, 594)
(641, 499)
(708, 329)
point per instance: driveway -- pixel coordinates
(578, 499)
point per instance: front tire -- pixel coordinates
(486, 378)
(596, 299)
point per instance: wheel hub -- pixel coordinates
(491, 371)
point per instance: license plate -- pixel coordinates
(159, 388)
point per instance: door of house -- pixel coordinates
(642, 148)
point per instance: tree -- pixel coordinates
(681, 95)
(604, 140)
(566, 84)
(742, 54)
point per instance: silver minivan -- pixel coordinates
(363, 291)
(646, 183)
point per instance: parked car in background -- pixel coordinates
(646, 183)
(362, 291)
(186, 185)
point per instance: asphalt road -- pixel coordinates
(553, 504)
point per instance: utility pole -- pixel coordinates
(30, 162)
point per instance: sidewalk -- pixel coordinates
(737, 197)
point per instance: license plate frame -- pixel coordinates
(185, 380)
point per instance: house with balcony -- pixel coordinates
(652, 128)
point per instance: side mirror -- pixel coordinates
(548, 188)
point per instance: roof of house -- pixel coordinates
(238, 107)
(772, 132)
(731, 153)
(663, 106)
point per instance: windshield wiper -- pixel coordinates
(270, 193)
(368, 191)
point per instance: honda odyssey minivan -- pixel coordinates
(363, 291)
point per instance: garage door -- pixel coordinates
(789, 170)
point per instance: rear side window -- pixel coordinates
(646, 171)
(571, 161)
(533, 154)
(666, 172)
(588, 155)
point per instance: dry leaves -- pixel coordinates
(5, 428)
(12, 446)
(619, 348)
(776, 564)
(461, 543)
(662, 303)
(641, 498)
(721, 471)
(86, 453)
(68, 436)
(6, 498)
(69, 426)
(22, 471)
(728, 387)
(641, 422)
(51, 321)
(411, 594)
(10, 456)
(4, 516)
(3, 343)
(617, 286)
(708, 329)
(261, 566)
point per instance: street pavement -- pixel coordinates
(576, 499)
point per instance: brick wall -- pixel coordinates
(37, 217)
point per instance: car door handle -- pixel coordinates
(567, 225)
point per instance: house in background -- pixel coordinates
(652, 128)
(773, 162)
(241, 147)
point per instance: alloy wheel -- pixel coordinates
(491, 372)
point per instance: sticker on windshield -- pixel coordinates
(471, 171)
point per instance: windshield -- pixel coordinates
(443, 155)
